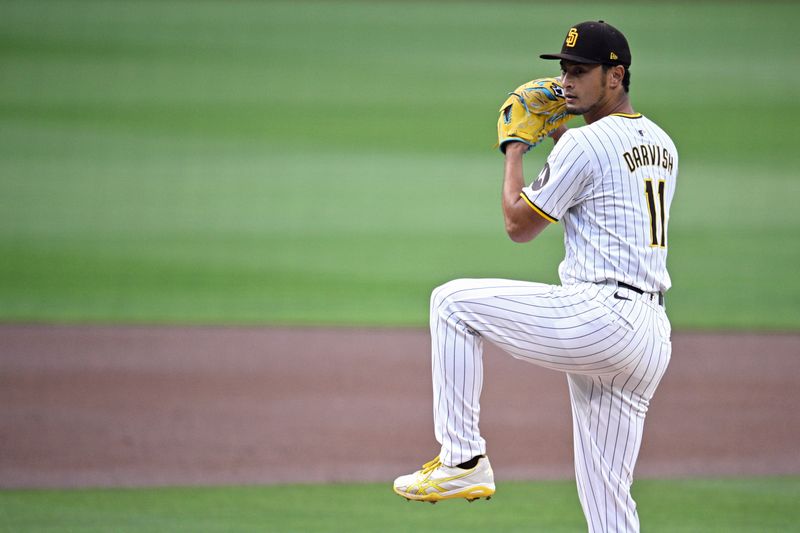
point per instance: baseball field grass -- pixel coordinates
(750, 505)
(332, 162)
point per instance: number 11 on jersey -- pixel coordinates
(655, 207)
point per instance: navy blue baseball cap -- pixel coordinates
(594, 43)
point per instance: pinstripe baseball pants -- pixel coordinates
(612, 343)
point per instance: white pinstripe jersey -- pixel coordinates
(611, 184)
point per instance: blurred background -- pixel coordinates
(331, 162)
(232, 172)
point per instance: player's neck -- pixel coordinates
(620, 105)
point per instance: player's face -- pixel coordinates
(584, 87)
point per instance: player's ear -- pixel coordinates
(615, 76)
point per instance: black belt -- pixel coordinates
(640, 291)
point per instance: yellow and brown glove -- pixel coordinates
(531, 113)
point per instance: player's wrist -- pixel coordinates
(557, 133)
(516, 148)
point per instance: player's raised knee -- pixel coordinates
(450, 292)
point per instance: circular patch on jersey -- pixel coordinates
(544, 177)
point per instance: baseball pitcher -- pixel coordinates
(610, 183)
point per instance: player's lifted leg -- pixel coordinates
(461, 470)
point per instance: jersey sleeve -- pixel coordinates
(563, 180)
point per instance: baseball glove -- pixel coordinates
(531, 113)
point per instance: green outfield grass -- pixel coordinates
(331, 162)
(760, 505)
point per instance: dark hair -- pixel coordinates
(626, 79)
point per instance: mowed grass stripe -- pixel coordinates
(325, 163)
(729, 505)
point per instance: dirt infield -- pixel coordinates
(132, 406)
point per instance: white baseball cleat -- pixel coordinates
(439, 482)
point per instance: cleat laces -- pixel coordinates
(430, 466)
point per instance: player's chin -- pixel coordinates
(572, 109)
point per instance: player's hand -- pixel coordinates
(531, 113)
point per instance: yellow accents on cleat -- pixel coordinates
(435, 482)
(470, 494)
(430, 466)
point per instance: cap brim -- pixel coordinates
(567, 57)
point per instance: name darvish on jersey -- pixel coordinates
(648, 154)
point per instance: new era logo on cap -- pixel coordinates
(594, 42)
